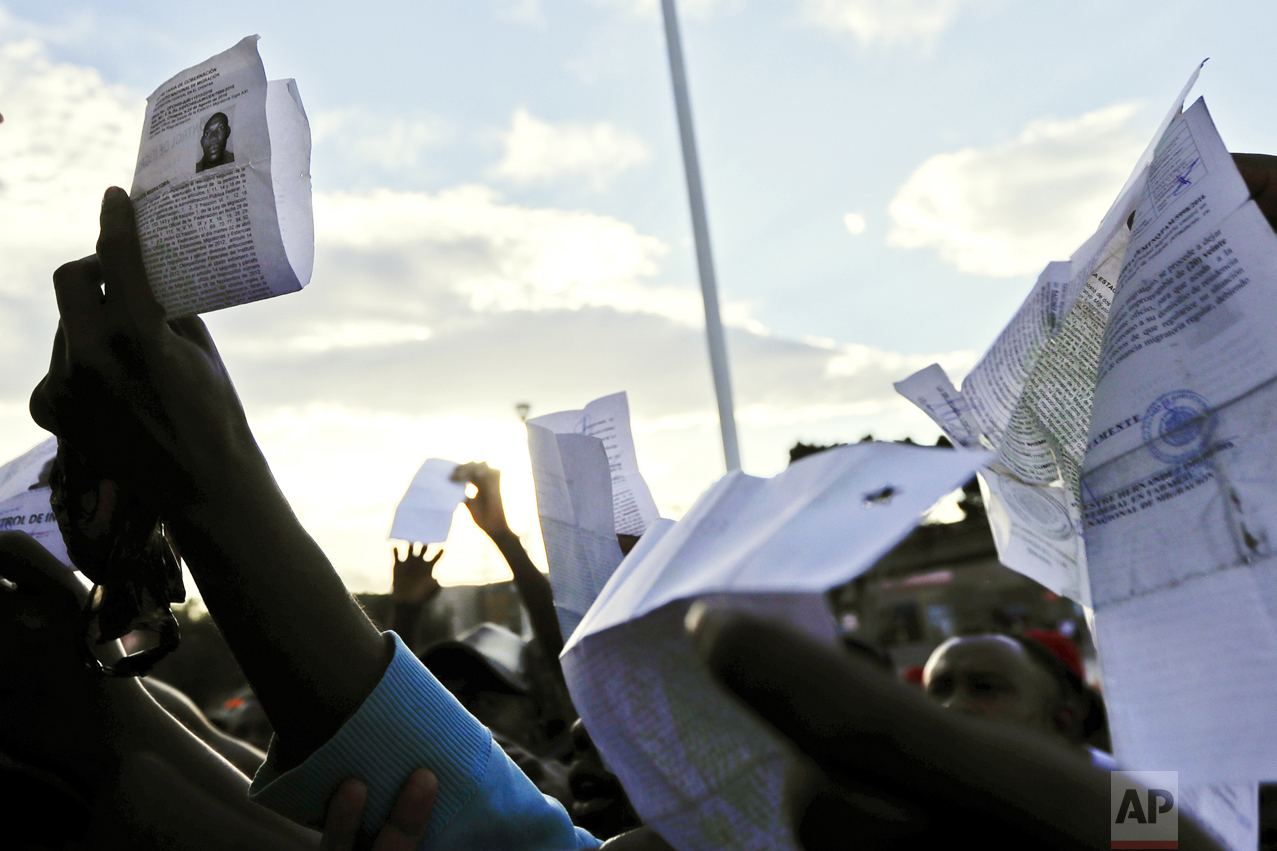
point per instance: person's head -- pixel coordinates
(1005, 679)
(483, 670)
(217, 130)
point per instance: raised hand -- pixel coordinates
(485, 506)
(413, 581)
(146, 399)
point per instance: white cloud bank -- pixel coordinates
(538, 151)
(1011, 208)
(884, 22)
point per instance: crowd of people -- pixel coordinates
(469, 743)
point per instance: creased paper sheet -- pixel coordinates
(24, 498)
(608, 419)
(1030, 397)
(698, 768)
(1179, 493)
(1173, 486)
(574, 504)
(424, 515)
(222, 186)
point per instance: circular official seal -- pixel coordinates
(1043, 511)
(1177, 426)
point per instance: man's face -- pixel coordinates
(216, 132)
(993, 677)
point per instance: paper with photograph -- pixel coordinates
(222, 186)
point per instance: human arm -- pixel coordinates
(534, 587)
(145, 776)
(150, 402)
(882, 764)
(237, 752)
(412, 586)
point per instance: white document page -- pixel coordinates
(608, 419)
(574, 504)
(30, 512)
(24, 498)
(698, 767)
(222, 186)
(1228, 811)
(1180, 488)
(424, 515)
(1031, 394)
(932, 391)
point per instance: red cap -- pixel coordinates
(1063, 649)
(912, 675)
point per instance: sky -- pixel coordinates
(501, 215)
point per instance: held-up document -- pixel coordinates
(424, 515)
(609, 420)
(1029, 399)
(24, 499)
(588, 490)
(1146, 415)
(222, 186)
(699, 768)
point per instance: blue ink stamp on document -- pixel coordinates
(1177, 426)
(1044, 512)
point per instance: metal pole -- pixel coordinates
(700, 231)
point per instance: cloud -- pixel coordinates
(884, 22)
(1009, 209)
(66, 137)
(696, 9)
(527, 12)
(360, 143)
(855, 223)
(537, 151)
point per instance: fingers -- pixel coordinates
(419, 552)
(33, 569)
(42, 405)
(851, 720)
(120, 256)
(432, 562)
(345, 812)
(410, 815)
(1260, 173)
(78, 287)
(475, 473)
(193, 328)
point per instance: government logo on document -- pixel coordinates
(1144, 809)
(1177, 426)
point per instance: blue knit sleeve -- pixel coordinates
(410, 721)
